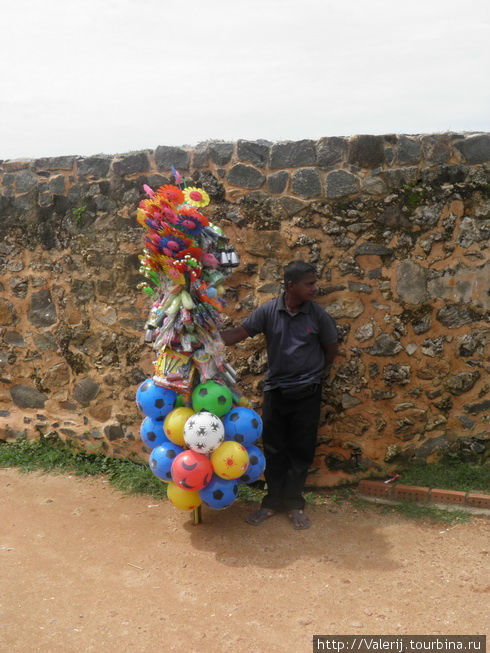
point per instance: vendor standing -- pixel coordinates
(301, 340)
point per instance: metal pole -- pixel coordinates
(197, 516)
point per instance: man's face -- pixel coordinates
(305, 289)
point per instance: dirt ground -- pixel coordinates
(84, 567)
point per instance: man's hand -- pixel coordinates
(232, 336)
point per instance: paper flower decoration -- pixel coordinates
(196, 196)
(190, 213)
(172, 194)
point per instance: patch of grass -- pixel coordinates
(79, 213)
(57, 457)
(456, 476)
(431, 513)
(250, 494)
(413, 197)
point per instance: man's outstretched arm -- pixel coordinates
(331, 351)
(232, 336)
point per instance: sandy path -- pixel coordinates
(86, 568)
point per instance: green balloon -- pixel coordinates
(212, 396)
(179, 402)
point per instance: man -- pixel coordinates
(301, 340)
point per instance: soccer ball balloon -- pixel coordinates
(230, 460)
(161, 459)
(154, 401)
(219, 493)
(152, 433)
(256, 465)
(191, 470)
(175, 422)
(204, 432)
(243, 425)
(212, 396)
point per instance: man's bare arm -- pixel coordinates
(232, 336)
(330, 352)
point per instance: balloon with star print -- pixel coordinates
(204, 432)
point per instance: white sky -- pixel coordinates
(92, 76)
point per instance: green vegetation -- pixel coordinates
(455, 476)
(57, 457)
(79, 213)
(417, 511)
(413, 197)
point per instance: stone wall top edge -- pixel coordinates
(66, 162)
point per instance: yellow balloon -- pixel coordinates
(243, 401)
(174, 424)
(183, 499)
(230, 460)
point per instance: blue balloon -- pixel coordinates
(152, 433)
(243, 425)
(154, 401)
(161, 459)
(256, 465)
(219, 492)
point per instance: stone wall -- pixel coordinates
(396, 225)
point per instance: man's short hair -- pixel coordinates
(296, 270)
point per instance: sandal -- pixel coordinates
(299, 519)
(259, 516)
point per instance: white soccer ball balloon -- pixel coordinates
(204, 432)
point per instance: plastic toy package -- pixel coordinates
(200, 428)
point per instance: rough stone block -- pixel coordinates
(330, 150)
(278, 181)
(24, 396)
(340, 183)
(436, 148)
(55, 163)
(220, 152)
(94, 166)
(408, 150)
(57, 184)
(412, 282)
(25, 181)
(385, 345)
(245, 176)
(255, 152)
(167, 156)
(85, 391)
(131, 164)
(42, 312)
(475, 149)
(292, 154)
(366, 151)
(306, 182)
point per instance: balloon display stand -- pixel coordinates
(199, 427)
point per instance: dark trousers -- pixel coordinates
(289, 440)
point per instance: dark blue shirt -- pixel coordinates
(294, 342)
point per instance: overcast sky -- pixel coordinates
(92, 76)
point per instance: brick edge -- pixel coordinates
(399, 491)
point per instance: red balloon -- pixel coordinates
(191, 470)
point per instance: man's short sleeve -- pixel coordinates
(328, 328)
(255, 322)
